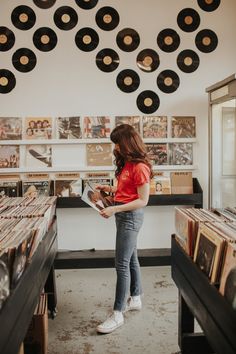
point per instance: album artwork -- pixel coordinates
(183, 127)
(10, 128)
(158, 153)
(181, 182)
(9, 185)
(229, 263)
(155, 127)
(9, 156)
(97, 127)
(35, 188)
(68, 185)
(160, 185)
(39, 155)
(99, 154)
(68, 128)
(38, 128)
(181, 153)
(134, 121)
(95, 198)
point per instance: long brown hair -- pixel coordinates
(131, 147)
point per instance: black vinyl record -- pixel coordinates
(128, 39)
(107, 18)
(208, 5)
(65, 18)
(44, 4)
(168, 81)
(86, 4)
(87, 39)
(206, 41)
(188, 20)
(23, 17)
(107, 60)
(128, 80)
(168, 40)
(7, 81)
(45, 39)
(24, 60)
(188, 61)
(148, 60)
(7, 39)
(148, 102)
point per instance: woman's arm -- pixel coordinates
(106, 188)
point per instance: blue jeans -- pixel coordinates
(128, 224)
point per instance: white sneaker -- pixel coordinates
(112, 322)
(133, 304)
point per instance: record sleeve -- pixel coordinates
(99, 154)
(134, 121)
(10, 185)
(35, 189)
(161, 185)
(183, 127)
(38, 128)
(39, 156)
(68, 128)
(158, 153)
(181, 182)
(9, 156)
(98, 200)
(229, 263)
(4, 283)
(181, 153)
(97, 127)
(155, 126)
(10, 128)
(68, 185)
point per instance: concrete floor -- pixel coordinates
(85, 298)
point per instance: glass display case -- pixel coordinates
(222, 143)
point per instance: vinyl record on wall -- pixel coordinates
(45, 39)
(188, 61)
(208, 5)
(128, 39)
(128, 80)
(87, 39)
(148, 60)
(107, 18)
(23, 17)
(7, 39)
(7, 81)
(206, 41)
(168, 81)
(65, 18)
(188, 20)
(86, 4)
(44, 4)
(107, 60)
(148, 102)
(168, 40)
(24, 60)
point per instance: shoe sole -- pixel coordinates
(107, 331)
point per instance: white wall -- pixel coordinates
(66, 82)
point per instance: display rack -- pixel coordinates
(18, 310)
(201, 300)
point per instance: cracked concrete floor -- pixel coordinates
(85, 298)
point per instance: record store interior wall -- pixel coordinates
(67, 81)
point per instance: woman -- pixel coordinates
(133, 172)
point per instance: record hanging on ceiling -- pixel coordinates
(23, 17)
(206, 41)
(188, 20)
(208, 5)
(45, 39)
(86, 4)
(44, 4)
(24, 60)
(168, 81)
(128, 39)
(87, 39)
(65, 18)
(107, 60)
(7, 39)
(188, 61)
(7, 81)
(148, 102)
(148, 60)
(168, 40)
(128, 80)
(107, 18)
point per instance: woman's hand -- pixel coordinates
(103, 187)
(107, 212)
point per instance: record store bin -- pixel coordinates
(222, 143)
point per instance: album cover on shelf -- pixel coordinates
(68, 128)
(181, 182)
(229, 263)
(68, 185)
(39, 156)
(9, 156)
(38, 128)
(98, 200)
(9, 186)
(134, 121)
(181, 153)
(99, 154)
(158, 153)
(10, 128)
(183, 127)
(155, 127)
(160, 184)
(35, 189)
(97, 178)
(97, 127)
